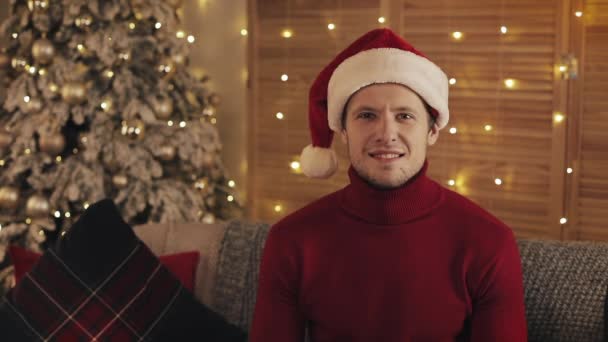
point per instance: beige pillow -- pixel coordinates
(169, 238)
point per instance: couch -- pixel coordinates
(565, 282)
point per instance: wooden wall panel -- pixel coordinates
(518, 149)
(592, 201)
(277, 142)
(526, 148)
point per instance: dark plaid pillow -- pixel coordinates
(101, 283)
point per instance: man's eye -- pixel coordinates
(365, 115)
(405, 116)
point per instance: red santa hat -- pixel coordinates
(379, 56)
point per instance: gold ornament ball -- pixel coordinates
(33, 106)
(192, 99)
(208, 159)
(4, 60)
(120, 181)
(211, 201)
(215, 99)
(52, 144)
(208, 218)
(202, 184)
(133, 129)
(81, 69)
(139, 15)
(37, 206)
(9, 197)
(175, 3)
(43, 51)
(74, 92)
(84, 20)
(167, 153)
(5, 139)
(164, 108)
(53, 88)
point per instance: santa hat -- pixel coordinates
(379, 56)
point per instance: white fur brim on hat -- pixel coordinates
(318, 162)
(387, 65)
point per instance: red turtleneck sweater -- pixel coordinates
(417, 263)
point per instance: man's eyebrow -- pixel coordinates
(372, 109)
(403, 109)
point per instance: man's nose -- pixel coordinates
(387, 128)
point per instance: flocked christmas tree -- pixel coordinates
(99, 103)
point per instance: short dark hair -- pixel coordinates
(429, 110)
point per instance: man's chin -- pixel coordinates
(384, 182)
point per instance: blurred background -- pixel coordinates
(528, 100)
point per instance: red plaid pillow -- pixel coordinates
(101, 283)
(124, 307)
(181, 265)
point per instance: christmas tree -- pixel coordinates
(100, 104)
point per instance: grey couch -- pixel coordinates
(565, 282)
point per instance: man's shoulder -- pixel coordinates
(311, 215)
(473, 217)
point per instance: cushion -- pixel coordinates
(100, 282)
(166, 238)
(182, 265)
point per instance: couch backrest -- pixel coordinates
(565, 282)
(565, 289)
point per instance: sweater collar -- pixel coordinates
(412, 200)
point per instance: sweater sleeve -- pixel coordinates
(277, 316)
(498, 306)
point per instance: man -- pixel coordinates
(393, 256)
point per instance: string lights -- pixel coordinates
(558, 117)
(295, 165)
(489, 126)
(287, 33)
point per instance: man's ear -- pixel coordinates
(344, 136)
(433, 135)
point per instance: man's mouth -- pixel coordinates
(386, 155)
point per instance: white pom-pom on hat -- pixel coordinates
(318, 162)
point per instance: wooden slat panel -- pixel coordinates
(525, 148)
(518, 149)
(592, 190)
(312, 46)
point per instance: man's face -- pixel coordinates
(387, 134)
